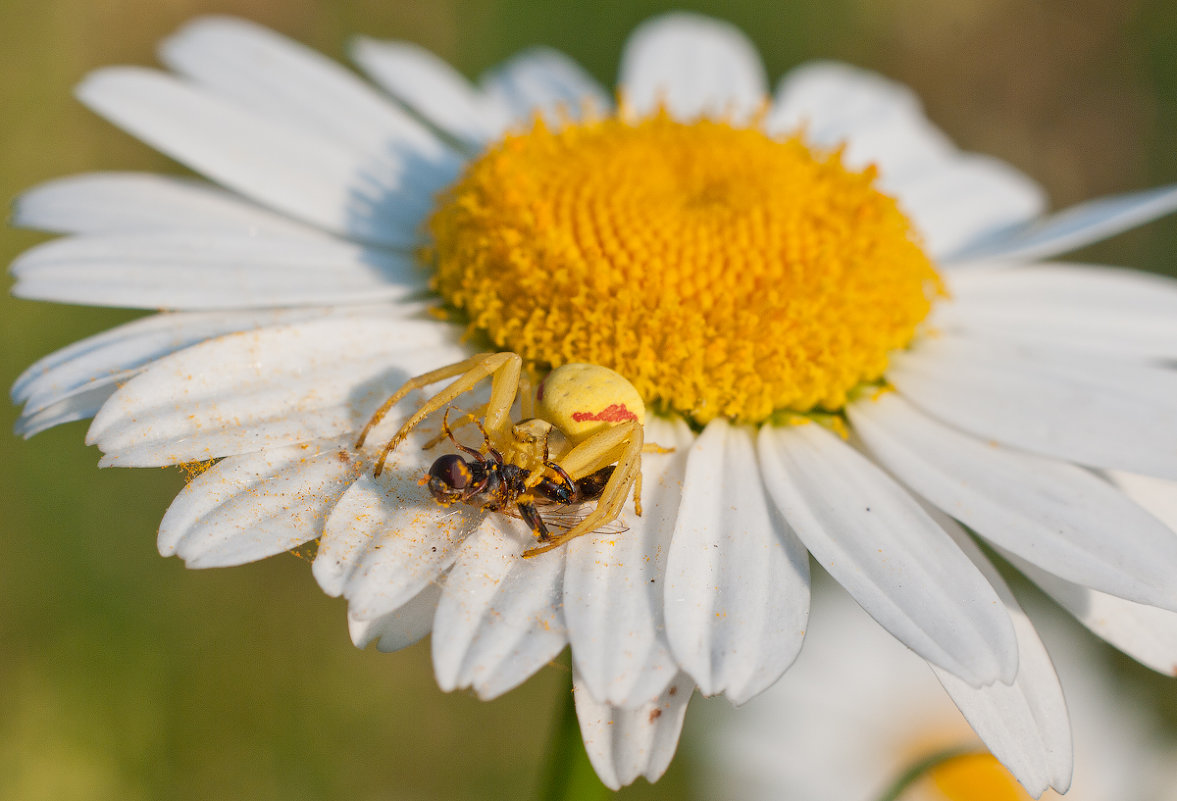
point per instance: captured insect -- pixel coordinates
(489, 482)
(580, 439)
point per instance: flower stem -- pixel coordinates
(917, 770)
(569, 775)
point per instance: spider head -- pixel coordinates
(451, 478)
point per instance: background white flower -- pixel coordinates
(857, 710)
(333, 413)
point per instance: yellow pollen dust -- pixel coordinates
(722, 271)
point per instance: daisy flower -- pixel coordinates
(838, 320)
(856, 713)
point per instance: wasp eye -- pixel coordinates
(451, 472)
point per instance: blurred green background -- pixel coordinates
(125, 676)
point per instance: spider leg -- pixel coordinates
(602, 450)
(526, 396)
(464, 420)
(503, 370)
(418, 382)
(627, 474)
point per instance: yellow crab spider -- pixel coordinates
(584, 420)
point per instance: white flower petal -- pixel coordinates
(117, 354)
(294, 171)
(399, 628)
(694, 66)
(973, 199)
(80, 405)
(1100, 413)
(1083, 287)
(100, 386)
(210, 270)
(877, 541)
(499, 620)
(1154, 494)
(1023, 723)
(1080, 225)
(130, 202)
(387, 540)
(543, 81)
(248, 507)
(623, 744)
(613, 585)
(1090, 310)
(1058, 516)
(431, 87)
(879, 121)
(737, 579)
(1145, 633)
(266, 388)
(953, 198)
(287, 81)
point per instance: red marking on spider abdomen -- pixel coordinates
(613, 413)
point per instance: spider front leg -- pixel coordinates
(502, 368)
(620, 444)
(464, 420)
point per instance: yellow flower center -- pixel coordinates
(722, 271)
(975, 777)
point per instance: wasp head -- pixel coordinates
(450, 478)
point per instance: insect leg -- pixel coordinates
(565, 491)
(533, 520)
(447, 431)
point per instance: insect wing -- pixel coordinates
(561, 518)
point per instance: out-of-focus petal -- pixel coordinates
(1024, 723)
(694, 66)
(297, 172)
(194, 270)
(545, 82)
(289, 82)
(955, 199)
(1146, 633)
(432, 88)
(136, 202)
(877, 541)
(877, 120)
(1072, 228)
(1096, 412)
(1054, 514)
(1086, 310)
(623, 744)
